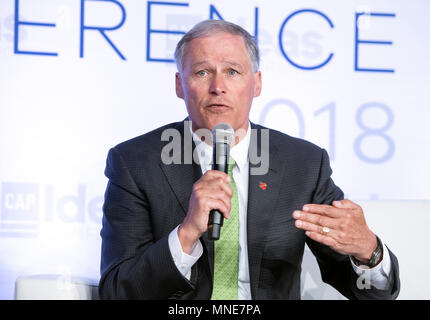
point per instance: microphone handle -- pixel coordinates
(220, 162)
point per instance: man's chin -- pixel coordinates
(214, 119)
(214, 122)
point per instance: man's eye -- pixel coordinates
(202, 73)
(232, 72)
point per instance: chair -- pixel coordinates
(55, 287)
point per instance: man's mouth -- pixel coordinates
(217, 107)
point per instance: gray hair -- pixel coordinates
(210, 27)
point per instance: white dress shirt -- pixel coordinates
(377, 276)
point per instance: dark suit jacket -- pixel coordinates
(146, 199)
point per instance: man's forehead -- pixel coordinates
(217, 37)
(199, 51)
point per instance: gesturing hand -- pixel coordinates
(341, 226)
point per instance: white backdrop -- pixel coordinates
(79, 76)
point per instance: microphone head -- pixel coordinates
(223, 133)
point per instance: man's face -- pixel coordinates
(217, 82)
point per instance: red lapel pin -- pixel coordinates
(263, 185)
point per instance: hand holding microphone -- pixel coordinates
(211, 194)
(222, 136)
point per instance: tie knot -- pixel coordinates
(231, 164)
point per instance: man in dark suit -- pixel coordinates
(155, 222)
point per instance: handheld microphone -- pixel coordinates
(222, 137)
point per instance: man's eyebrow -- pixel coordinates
(197, 64)
(235, 64)
(205, 62)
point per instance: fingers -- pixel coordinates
(215, 181)
(305, 219)
(209, 199)
(323, 209)
(213, 191)
(345, 204)
(307, 226)
(326, 234)
(341, 226)
(317, 224)
(213, 174)
(218, 204)
(318, 237)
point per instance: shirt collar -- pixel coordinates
(239, 152)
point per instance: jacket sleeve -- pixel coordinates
(336, 269)
(133, 264)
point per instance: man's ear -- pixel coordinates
(179, 89)
(258, 84)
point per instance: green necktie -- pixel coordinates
(226, 254)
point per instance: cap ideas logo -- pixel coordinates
(19, 214)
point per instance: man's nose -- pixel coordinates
(218, 85)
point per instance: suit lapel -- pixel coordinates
(263, 192)
(182, 176)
